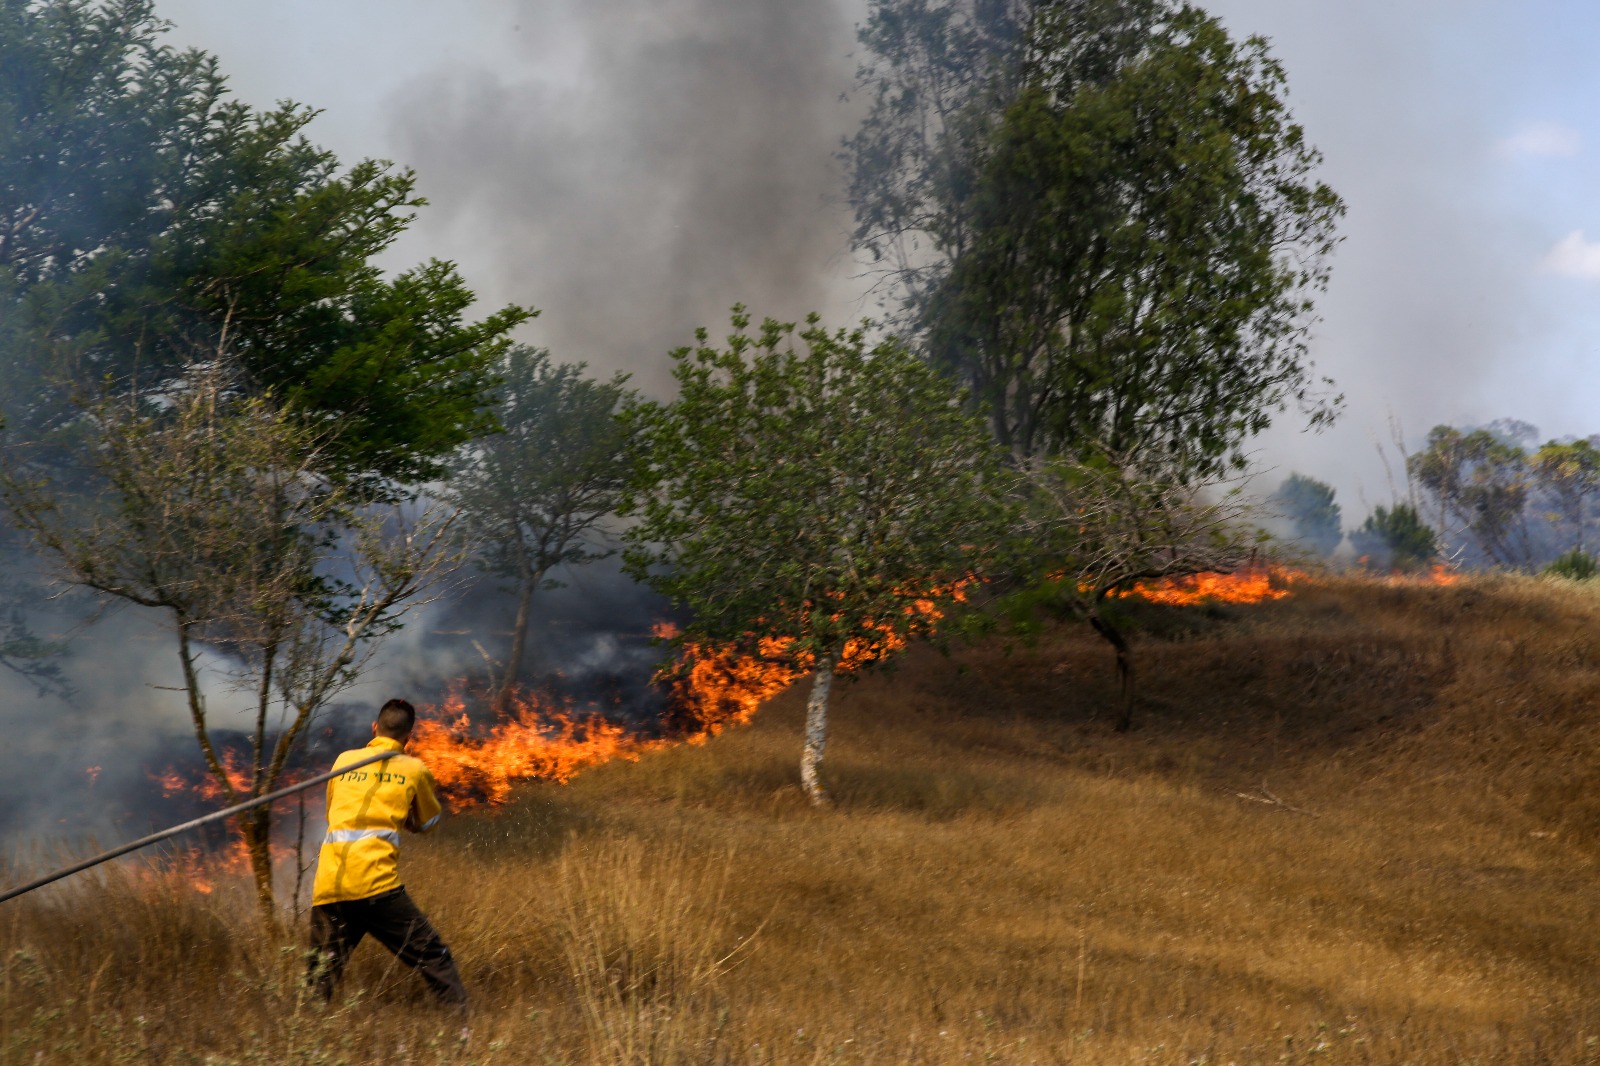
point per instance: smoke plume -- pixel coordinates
(682, 162)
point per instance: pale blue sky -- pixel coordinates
(619, 164)
(1463, 136)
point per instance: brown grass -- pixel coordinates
(1357, 826)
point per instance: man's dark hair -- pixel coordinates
(396, 719)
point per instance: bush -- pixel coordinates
(1395, 539)
(1307, 505)
(1577, 565)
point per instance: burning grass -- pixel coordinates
(1354, 825)
(1254, 585)
(533, 741)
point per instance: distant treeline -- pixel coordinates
(1480, 497)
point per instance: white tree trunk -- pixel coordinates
(816, 734)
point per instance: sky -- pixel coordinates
(634, 167)
(1463, 138)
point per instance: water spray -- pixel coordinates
(195, 823)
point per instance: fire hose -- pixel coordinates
(215, 816)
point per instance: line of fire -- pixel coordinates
(479, 756)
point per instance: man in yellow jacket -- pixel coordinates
(358, 890)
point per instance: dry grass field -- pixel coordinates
(1359, 825)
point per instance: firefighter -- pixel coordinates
(357, 889)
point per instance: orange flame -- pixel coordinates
(188, 868)
(1258, 585)
(1441, 574)
(1243, 586)
(714, 688)
(207, 787)
(710, 689)
(1438, 574)
(533, 741)
(197, 867)
(203, 871)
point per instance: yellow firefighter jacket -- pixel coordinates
(367, 808)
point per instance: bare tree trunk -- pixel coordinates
(299, 856)
(1124, 667)
(258, 743)
(816, 734)
(519, 637)
(255, 826)
(197, 711)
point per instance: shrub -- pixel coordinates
(1395, 539)
(1577, 565)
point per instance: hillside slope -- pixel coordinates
(1359, 824)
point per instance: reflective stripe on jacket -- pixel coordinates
(367, 808)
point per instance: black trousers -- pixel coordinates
(396, 923)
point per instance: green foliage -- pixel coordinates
(1101, 216)
(533, 496)
(153, 223)
(1481, 481)
(813, 491)
(1313, 517)
(1577, 565)
(90, 108)
(1570, 472)
(1395, 539)
(930, 65)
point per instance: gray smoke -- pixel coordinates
(589, 643)
(630, 169)
(80, 761)
(77, 757)
(684, 161)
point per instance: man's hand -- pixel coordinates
(413, 822)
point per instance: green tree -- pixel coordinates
(92, 109)
(210, 507)
(1570, 472)
(1307, 504)
(1111, 229)
(145, 219)
(810, 501)
(1440, 468)
(934, 70)
(534, 496)
(1395, 538)
(197, 333)
(1482, 482)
